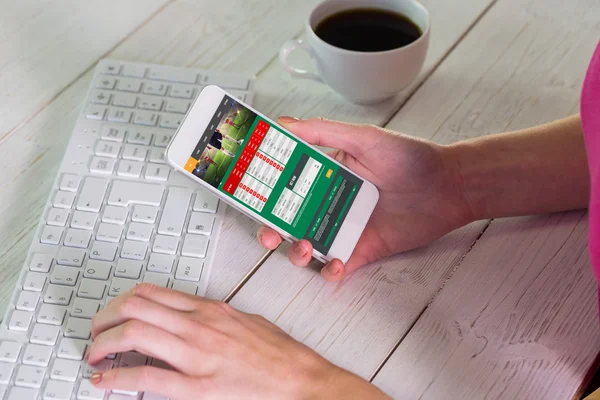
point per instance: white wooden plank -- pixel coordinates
(518, 320)
(33, 153)
(45, 45)
(356, 323)
(519, 317)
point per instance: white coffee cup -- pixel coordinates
(362, 77)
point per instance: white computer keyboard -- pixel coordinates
(117, 216)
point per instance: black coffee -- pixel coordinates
(368, 29)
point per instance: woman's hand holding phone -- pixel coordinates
(420, 193)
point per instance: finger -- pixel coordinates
(300, 253)
(143, 338)
(145, 379)
(333, 271)
(168, 297)
(268, 238)
(130, 306)
(350, 138)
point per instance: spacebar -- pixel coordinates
(124, 193)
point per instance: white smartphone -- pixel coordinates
(267, 173)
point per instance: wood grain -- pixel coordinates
(357, 323)
(519, 317)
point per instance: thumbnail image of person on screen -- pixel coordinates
(224, 144)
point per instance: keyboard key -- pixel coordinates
(185, 287)
(97, 270)
(91, 289)
(120, 286)
(124, 193)
(101, 366)
(78, 328)
(163, 139)
(106, 83)
(63, 199)
(66, 276)
(134, 70)
(157, 172)
(182, 92)
(165, 244)
(34, 282)
(189, 269)
(131, 169)
(157, 279)
(226, 80)
(72, 349)
(119, 115)
(195, 246)
(77, 238)
(201, 223)
(140, 136)
(177, 106)
(147, 118)
(155, 88)
(109, 233)
(56, 390)
(95, 112)
(129, 269)
(109, 68)
(100, 97)
(9, 351)
(20, 321)
(44, 334)
(69, 183)
(56, 294)
(85, 308)
(175, 210)
(161, 263)
(71, 257)
(6, 371)
(28, 376)
(172, 74)
(106, 148)
(51, 314)
(145, 214)
(131, 359)
(171, 121)
(102, 165)
(129, 85)
(115, 215)
(103, 251)
(37, 355)
(139, 232)
(134, 250)
(41, 262)
(57, 217)
(157, 155)
(152, 103)
(113, 133)
(84, 220)
(65, 370)
(21, 393)
(87, 391)
(27, 301)
(135, 152)
(206, 202)
(92, 194)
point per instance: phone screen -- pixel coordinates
(276, 176)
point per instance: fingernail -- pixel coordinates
(288, 120)
(299, 250)
(96, 377)
(333, 269)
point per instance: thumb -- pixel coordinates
(350, 138)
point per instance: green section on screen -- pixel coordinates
(313, 200)
(340, 217)
(328, 201)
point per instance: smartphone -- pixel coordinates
(272, 176)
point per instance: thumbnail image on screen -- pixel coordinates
(278, 177)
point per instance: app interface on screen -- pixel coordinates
(281, 179)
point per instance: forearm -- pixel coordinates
(533, 171)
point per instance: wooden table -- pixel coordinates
(498, 309)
